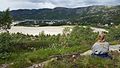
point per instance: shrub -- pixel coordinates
(114, 34)
(5, 39)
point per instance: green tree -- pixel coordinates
(6, 20)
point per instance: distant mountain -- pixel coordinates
(90, 14)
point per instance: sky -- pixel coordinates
(37, 4)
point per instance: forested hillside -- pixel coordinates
(84, 15)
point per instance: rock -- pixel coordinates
(4, 66)
(41, 65)
(89, 52)
(115, 48)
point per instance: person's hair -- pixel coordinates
(101, 35)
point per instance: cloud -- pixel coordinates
(15, 4)
(36, 4)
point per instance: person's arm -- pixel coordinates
(106, 45)
(96, 48)
(93, 46)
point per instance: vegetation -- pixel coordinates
(5, 20)
(114, 35)
(91, 15)
(20, 51)
(86, 62)
(26, 49)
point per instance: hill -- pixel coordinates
(85, 15)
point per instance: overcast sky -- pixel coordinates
(36, 4)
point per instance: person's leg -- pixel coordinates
(109, 56)
(106, 55)
(103, 55)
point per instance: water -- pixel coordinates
(52, 30)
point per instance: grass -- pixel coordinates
(86, 62)
(26, 59)
(22, 51)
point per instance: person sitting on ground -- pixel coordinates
(101, 47)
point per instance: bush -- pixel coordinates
(81, 36)
(114, 34)
(5, 40)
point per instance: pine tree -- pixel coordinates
(5, 20)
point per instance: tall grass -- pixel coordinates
(86, 62)
(28, 58)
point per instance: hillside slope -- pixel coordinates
(91, 14)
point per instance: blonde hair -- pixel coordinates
(101, 36)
